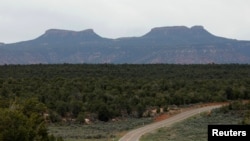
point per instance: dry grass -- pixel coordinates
(192, 129)
(97, 132)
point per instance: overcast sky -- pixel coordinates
(27, 19)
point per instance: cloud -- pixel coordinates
(27, 19)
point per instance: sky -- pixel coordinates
(22, 20)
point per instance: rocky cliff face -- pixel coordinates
(178, 44)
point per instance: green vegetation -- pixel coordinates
(195, 128)
(71, 94)
(98, 131)
(23, 122)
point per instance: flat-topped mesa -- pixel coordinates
(60, 32)
(64, 35)
(200, 30)
(175, 30)
(197, 27)
(169, 29)
(57, 31)
(182, 34)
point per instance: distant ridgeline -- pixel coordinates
(171, 45)
(105, 91)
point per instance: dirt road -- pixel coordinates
(135, 135)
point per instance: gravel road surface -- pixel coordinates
(135, 134)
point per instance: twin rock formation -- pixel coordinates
(172, 45)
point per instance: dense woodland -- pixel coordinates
(106, 91)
